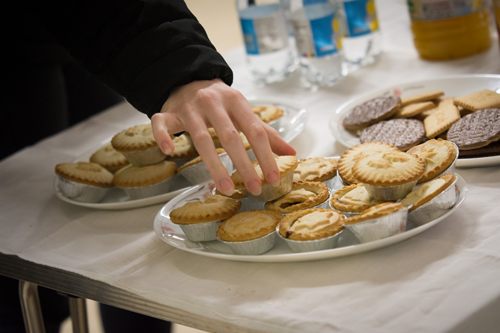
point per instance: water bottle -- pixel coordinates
(316, 29)
(448, 29)
(265, 35)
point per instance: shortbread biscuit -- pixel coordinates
(350, 156)
(438, 156)
(441, 120)
(211, 208)
(268, 113)
(476, 130)
(402, 133)
(109, 158)
(85, 173)
(388, 169)
(316, 169)
(478, 100)
(428, 96)
(133, 176)
(250, 225)
(375, 212)
(311, 224)
(371, 112)
(412, 110)
(353, 199)
(303, 195)
(428, 191)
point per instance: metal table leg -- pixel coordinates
(30, 304)
(78, 313)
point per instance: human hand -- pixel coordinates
(199, 105)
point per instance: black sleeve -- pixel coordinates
(140, 48)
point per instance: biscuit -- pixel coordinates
(388, 168)
(441, 120)
(478, 100)
(438, 156)
(371, 112)
(412, 110)
(493, 149)
(402, 133)
(476, 130)
(428, 96)
(353, 154)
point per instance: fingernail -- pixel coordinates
(226, 187)
(254, 187)
(165, 148)
(273, 178)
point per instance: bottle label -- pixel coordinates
(361, 17)
(264, 29)
(429, 10)
(316, 35)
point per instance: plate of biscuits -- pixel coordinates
(462, 109)
(130, 171)
(372, 196)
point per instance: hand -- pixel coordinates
(199, 105)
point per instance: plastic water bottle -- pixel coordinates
(362, 41)
(265, 35)
(316, 29)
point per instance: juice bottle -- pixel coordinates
(448, 29)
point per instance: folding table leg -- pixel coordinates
(30, 304)
(78, 312)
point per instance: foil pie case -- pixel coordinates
(252, 247)
(311, 245)
(80, 192)
(201, 232)
(198, 173)
(148, 191)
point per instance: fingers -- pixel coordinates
(160, 132)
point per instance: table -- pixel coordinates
(442, 280)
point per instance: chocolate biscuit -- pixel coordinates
(371, 112)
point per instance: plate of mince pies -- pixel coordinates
(462, 109)
(372, 196)
(129, 170)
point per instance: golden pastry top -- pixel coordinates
(374, 212)
(267, 113)
(353, 198)
(311, 224)
(183, 147)
(388, 169)
(316, 169)
(211, 208)
(302, 196)
(286, 165)
(136, 138)
(248, 225)
(438, 156)
(85, 173)
(134, 176)
(109, 158)
(428, 191)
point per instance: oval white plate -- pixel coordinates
(173, 235)
(453, 86)
(290, 125)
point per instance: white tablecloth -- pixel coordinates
(444, 279)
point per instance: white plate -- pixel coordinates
(291, 124)
(453, 86)
(173, 235)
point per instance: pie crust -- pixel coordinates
(311, 224)
(248, 225)
(198, 160)
(353, 154)
(134, 176)
(388, 169)
(353, 199)
(438, 156)
(267, 113)
(428, 191)
(211, 208)
(183, 148)
(316, 169)
(136, 138)
(109, 158)
(302, 196)
(374, 212)
(85, 173)
(286, 165)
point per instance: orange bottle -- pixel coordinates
(447, 29)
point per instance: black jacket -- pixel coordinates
(142, 49)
